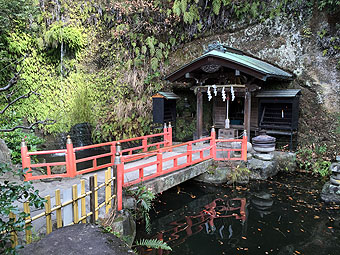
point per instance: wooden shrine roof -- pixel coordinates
(233, 59)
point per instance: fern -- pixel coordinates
(216, 6)
(177, 7)
(226, 2)
(154, 244)
(184, 4)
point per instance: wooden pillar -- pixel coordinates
(247, 112)
(199, 123)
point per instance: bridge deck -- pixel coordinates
(131, 176)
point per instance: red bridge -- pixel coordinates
(148, 160)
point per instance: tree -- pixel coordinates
(19, 15)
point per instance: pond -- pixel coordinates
(282, 215)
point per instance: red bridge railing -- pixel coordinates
(165, 159)
(71, 162)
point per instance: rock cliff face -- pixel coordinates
(307, 46)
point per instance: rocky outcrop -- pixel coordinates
(5, 153)
(256, 168)
(330, 195)
(125, 225)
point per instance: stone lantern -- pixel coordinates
(264, 146)
(335, 177)
(331, 190)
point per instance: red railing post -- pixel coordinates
(244, 146)
(165, 130)
(145, 144)
(113, 151)
(159, 162)
(26, 160)
(189, 154)
(120, 180)
(169, 134)
(213, 143)
(70, 158)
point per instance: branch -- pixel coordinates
(42, 122)
(18, 98)
(14, 80)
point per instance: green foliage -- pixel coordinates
(314, 159)
(144, 198)
(330, 6)
(10, 194)
(15, 12)
(71, 36)
(238, 173)
(216, 4)
(185, 128)
(13, 141)
(153, 244)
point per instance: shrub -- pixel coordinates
(314, 159)
(13, 141)
(10, 194)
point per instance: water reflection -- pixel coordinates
(278, 216)
(218, 218)
(262, 203)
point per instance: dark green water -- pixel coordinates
(283, 215)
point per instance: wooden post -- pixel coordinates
(199, 114)
(48, 215)
(145, 144)
(189, 154)
(28, 232)
(114, 184)
(165, 131)
(244, 146)
(120, 181)
(159, 162)
(58, 211)
(247, 111)
(14, 236)
(92, 200)
(75, 203)
(170, 134)
(95, 183)
(213, 143)
(83, 201)
(26, 160)
(113, 151)
(107, 190)
(70, 158)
